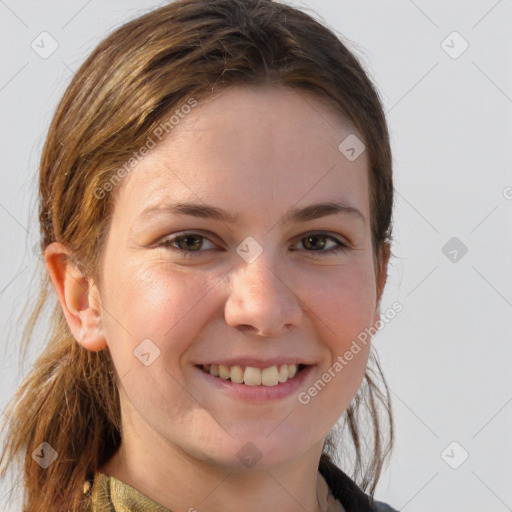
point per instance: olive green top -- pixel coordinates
(107, 494)
(111, 495)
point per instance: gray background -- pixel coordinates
(447, 354)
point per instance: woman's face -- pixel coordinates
(183, 288)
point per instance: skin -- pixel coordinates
(257, 152)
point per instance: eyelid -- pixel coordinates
(341, 243)
(328, 234)
(166, 242)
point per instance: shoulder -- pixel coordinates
(380, 506)
(96, 494)
(347, 492)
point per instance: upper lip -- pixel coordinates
(256, 362)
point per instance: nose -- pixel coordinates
(261, 300)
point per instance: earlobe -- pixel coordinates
(78, 297)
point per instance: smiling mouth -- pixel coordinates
(252, 376)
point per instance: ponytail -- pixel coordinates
(64, 419)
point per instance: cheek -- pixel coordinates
(342, 303)
(167, 307)
(343, 307)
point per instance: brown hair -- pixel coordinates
(125, 90)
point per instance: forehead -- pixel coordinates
(251, 148)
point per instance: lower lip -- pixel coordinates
(258, 393)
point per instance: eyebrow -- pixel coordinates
(295, 215)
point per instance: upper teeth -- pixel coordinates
(252, 376)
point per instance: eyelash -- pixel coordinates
(341, 247)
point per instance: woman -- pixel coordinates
(215, 207)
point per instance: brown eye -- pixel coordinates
(316, 243)
(188, 244)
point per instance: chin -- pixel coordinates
(254, 452)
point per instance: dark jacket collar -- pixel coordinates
(343, 488)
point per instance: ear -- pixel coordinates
(78, 296)
(381, 276)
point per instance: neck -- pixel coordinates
(178, 481)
